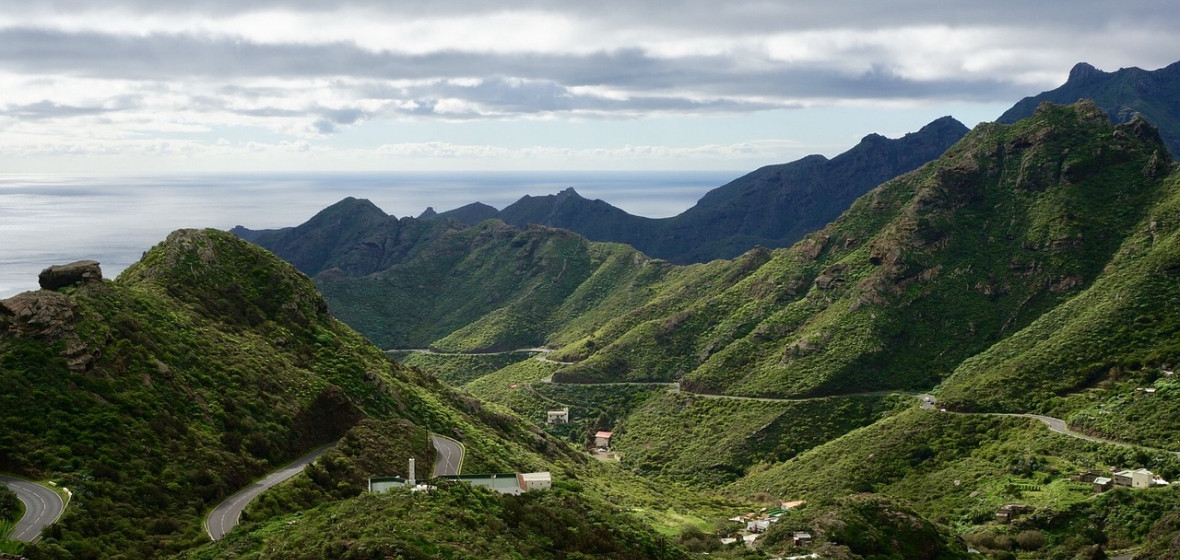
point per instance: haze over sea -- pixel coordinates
(56, 219)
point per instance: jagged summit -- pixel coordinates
(1120, 94)
(1083, 71)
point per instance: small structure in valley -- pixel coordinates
(1138, 478)
(558, 416)
(1008, 512)
(504, 483)
(602, 440)
(801, 538)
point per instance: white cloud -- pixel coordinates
(164, 77)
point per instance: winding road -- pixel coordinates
(1054, 424)
(448, 460)
(225, 516)
(42, 508)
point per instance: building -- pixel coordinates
(1008, 512)
(535, 481)
(1102, 484)
(1138, 478)
(602, 440)
(558, 416)
(504, 483)
(801, 538)
(1142, 478)
(760, 525)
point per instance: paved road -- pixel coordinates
(448, 457)
(42, 508)
(1055, 425)
(225, 516)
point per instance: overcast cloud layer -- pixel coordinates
(146, 85)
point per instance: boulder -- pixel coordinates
(57, 277)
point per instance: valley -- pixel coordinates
(778, 375)
(976, 334)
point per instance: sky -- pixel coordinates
(165, 86)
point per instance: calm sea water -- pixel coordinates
(46, 220)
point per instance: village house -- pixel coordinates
(801, 538)
(1138, 478)
(1102, 484)
(1008, 512)
(558, 416)
(602, 440)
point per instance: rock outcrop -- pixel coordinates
(57, 277)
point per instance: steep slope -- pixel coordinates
(777, 205)
(203, 366)
(1125, 322)
(1123, 93)
(496, 287)
(919, 274)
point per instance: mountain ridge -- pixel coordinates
(1122, 94)
(772, 206)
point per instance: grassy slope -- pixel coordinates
(710, 442)
(957, 469)
(199, 369)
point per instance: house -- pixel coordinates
(1149, 391)
(1138, 478)
(1102, 484)
(1142, 478)
(558, 416)
(1008, 512)
(801, 538)
(602, 440)
(1090, 476)
(760, 525)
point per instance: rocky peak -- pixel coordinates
(1082, 72)
(57, 277)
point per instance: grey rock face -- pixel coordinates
(57, 277)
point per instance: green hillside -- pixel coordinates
(920, 274)
(200, 368)
(1026, 270)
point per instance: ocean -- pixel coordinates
(56, 219)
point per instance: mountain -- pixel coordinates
(1029, 269)
(773, 206)
(203, 366)
(353, 236)
(920, 274)
(777, 205)
(473, 213)
(1122, 94)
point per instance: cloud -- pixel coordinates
(48, 110)
(312, 70)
